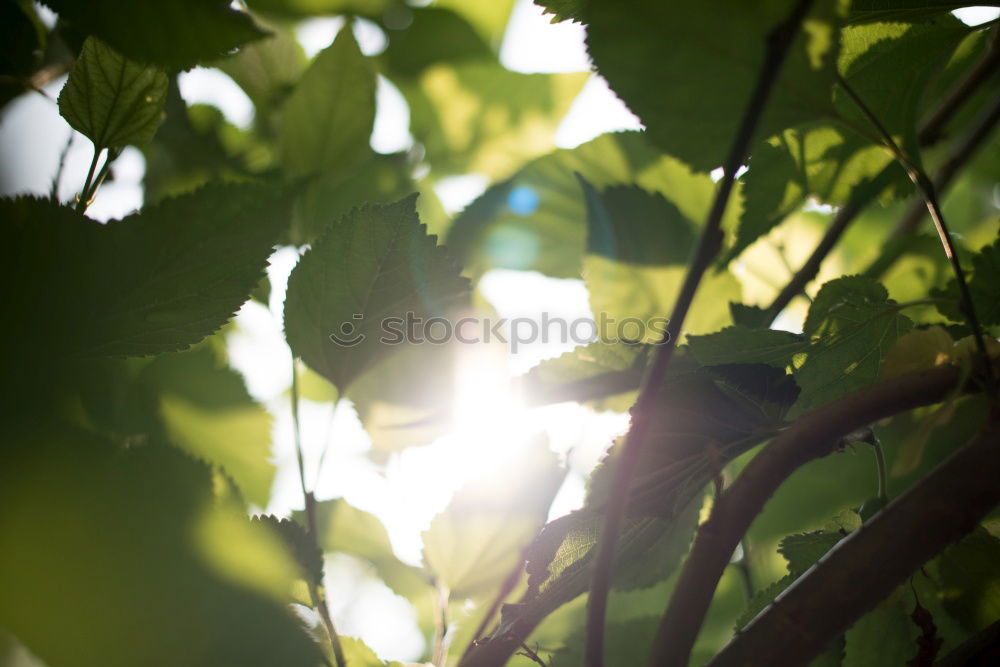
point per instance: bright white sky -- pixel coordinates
(414, 486)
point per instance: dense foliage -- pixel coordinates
(813, 203)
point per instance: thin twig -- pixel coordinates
(778, 43)
(869, 564)
(929, 192)
(315, 592)
(813, 436)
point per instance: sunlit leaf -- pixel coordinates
(477, 116)
(207, 411)
(343, 528)
(853, 324)
(476, 542)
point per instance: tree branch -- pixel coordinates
(811, 437)
(929, 133)
(778, 43)
(866, 566)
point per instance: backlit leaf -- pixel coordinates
(327, 121)
(376, 262)
(112, 100)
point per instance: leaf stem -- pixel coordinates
(315, 592)
(927, 189)
(777, 45)
(83, 201)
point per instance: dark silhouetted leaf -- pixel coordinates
(175, 34)
(156, 281)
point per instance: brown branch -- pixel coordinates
(868, 565)
(778, 43)
(929, 133)
(811, 437)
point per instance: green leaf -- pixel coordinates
(375, 263)
(883, 636)
(603, 374)
(637, 246)
(477, 116)
(802, 550)
(327, 122)
(267, 70)
(970, 578)
(740, 345)
(853, 324)
(409, 399)
(831, 161)
(475, 543)
(112, 100)
(207, 411)
(908, 55)
(300, 545)
(562, 10)
(159, 280)
(503, 229)
(704, 416)
(688, 75)
(984, 287)
(436, 34)
(357, 654)
(342, 528)
(630, 225)
(175, 35)
(137, 538)
(374, 178)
